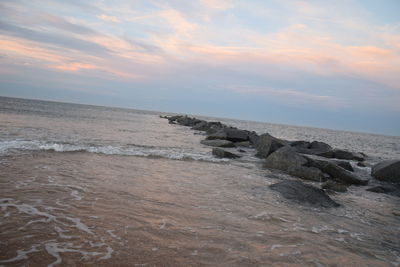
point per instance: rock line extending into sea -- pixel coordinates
(314, 161)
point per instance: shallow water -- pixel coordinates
(100, 186)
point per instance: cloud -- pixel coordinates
(290, 97)
(109, 18)
(46, 38)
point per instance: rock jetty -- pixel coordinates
(313, 161)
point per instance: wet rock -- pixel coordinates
(220, 153)
(253, 138)
(243, 144)
(268, 144)
(214, 128)
(388, 170)
(217, 143)
(288, 160)
(319, 146)
(201, 126)
(345, 165)
(304, 194)
(342, 154)
(231, 134)
(337, 173)
(172, 119)
(331, 185)
(360, 164)
(393, 190)
(187, 121)
(312, 148)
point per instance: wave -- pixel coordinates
(9, 147)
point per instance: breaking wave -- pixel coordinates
(8, 147)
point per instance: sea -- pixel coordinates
(84, 185)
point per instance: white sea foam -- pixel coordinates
(7, 147)
(21, 254)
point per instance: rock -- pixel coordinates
(187, 121)
(220, 153)
(360, 164)
(243, 144)
(201, 126)
(267, 144)
(172, 119)
(321, 146)
(284, 158)
(231, 134)
(304, 194)
(345, 165)
(312, 148)
(214, 128)
(388, 170)
(337, 173)
(386, 189)
(308, 173)
(217, 143)
(288, 160)
(253, 138)
(330, 185)
(342, 154)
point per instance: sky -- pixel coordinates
(326, 64)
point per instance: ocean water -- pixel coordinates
(105, 186)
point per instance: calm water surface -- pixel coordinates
(114, 187)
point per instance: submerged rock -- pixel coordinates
(267, 144)
(288, 160)
(220, 153)
(217, 143)
(388, 170)
(304, 194)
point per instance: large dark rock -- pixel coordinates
(336, 172)
(288, 160)
(231, 134)
(217, 143)
(312, 148)
(267, 144)
(388, 170)
(220, 153)
(304, 194)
